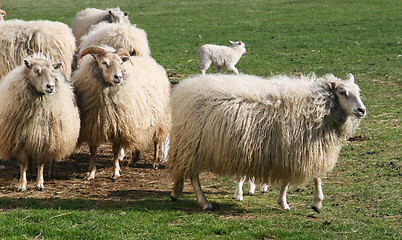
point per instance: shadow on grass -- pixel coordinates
(141, 201)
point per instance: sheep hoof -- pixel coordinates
(40, 187)
(208, 207)
(238, 198)
(174, 199)
(316, 209)
(156, 166)
(89, 176)
(21, 189)
(115, 176)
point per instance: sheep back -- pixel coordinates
(125, 114)
(116, 35)
(276, 130)
(39, 125)
(20, 39)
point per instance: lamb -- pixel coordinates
(238, 194)
(19, 39)
(115, 35)
(284, 130)
(89, 17)
(38, 115)
(126, 104)
(220, 56)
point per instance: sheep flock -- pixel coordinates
(97, 83)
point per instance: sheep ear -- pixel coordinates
(95, 56)
(231, 42)
(333, 85)
(28, 64)
(350, 78)
(125, 58)
(57, 65)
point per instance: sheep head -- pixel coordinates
(117, 16)
(348, 95)
(43, 75)
(240, 45)
(109, 63)
(3, 14)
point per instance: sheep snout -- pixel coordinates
(117, 79)
(360, 112)
(50, 88)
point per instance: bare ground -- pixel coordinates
(69, 181)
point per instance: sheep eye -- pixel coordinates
(105, 64)
(343, 93)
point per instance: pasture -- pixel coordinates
(362, 193)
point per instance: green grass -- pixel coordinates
(363, 193)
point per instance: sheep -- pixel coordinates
(89, 17)
(121, 103)
(220, 56)
(19, 39)
(115, 35)
(284, 130)
(238, 194)
(38, 115)
(3, 15)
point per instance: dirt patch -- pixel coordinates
(69, 181)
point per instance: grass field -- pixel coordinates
(362, 193)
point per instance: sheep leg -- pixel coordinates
(218, 69)
(39, 177)
(156, 155)
(92, 166)
(135, 156)
(238, 194)
(23, 173)
(251, 186)
(121, 154)
(282, 197)
(204, 67)
(318, 195)
(202, 201)
(234, 69)
(52, 168)
(177, 189)
(264, 187)
(116, 165)
(30, 168)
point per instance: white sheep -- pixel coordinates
(38, 115)
(126, 104)
(19, 39)
(238, 194)
(115, 35)
(284, 130)
(89, 17)
(220, 56)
